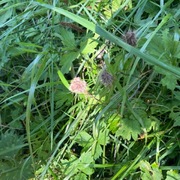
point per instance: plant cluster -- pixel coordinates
(89, 90)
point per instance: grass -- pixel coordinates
(125, 125)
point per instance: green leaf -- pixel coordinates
(66, 61)
(150, 171)
(86, 160)
(169, 81)
(16, 169)
(149, 59)
(10, 144)
(145, 170)
(62, 78)
(63, 98)
(176, 118)
(96, 150)
(84, 139)
(114, 122)
(157, 174)
(91, 45)
(177, 95)
(103, 137)
(81, 176)
(68, 40)
(89, 25)
(129, 128)
(172, 175)
(70, 165)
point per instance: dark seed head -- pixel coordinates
(106, 78)
(130, 38)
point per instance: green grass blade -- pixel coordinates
(150, 59)
(87, 24)
(62, 78)
(107, 35)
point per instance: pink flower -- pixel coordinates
(78, 86)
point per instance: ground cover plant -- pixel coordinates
(89, 89)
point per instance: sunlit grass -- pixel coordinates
(124, 125)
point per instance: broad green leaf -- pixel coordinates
(145, 170)
(63, 98)
(10, 144)
(172, 175)
(114, 122)
(81, 176)
(144, 165)
(150, 171)
(85, 163)
(91, 45)
(176, 118)
(70, 168)
(96, 150)
(169, 81)
(103, 137)
(66, 61)
(83, 139)
(129, 128)
(16, 169)
(86, 158)
(157, 174)
(177, 95)
(68, 40)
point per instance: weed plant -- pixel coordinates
(89, 90)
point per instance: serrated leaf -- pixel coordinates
(113, 123)
(172, 175)
(147, 123)
(103, 138)
(86, 158)
(177, 95)
(145, 166)
(129, 128)
(176, 118)
(10, 144)
(68, 40)
(22, 169)
(83, 139)
(91, 45)
(157, 174)
(169, 81)
(63, 97)
(70, 168)
(85, 163)
(85, 169)
(96, 150)
(66, 61)
(80, 176)
(150, 171)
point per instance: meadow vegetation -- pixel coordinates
(89, 90)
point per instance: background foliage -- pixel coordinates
(127, 127)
